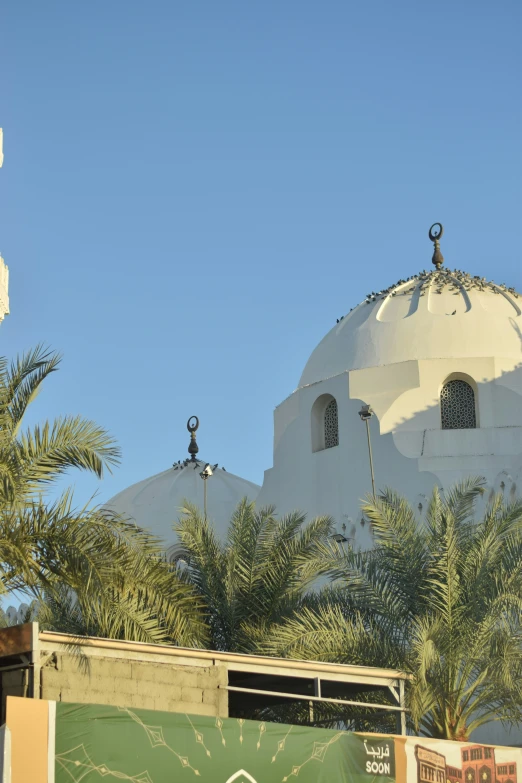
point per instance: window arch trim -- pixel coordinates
(461, 417)
(324, 423)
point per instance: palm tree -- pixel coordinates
(86, 569)
(441, 600)
(31, 461)
(257, 577)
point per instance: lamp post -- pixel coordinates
(205, 474)
(366, 413)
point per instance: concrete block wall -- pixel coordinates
(121, 682)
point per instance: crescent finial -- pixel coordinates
(435, 233)
(192, 425)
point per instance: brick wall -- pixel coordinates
(136, 683)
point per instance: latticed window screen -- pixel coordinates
(331, 426)
(457, 405)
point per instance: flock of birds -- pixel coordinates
(455, 279)
(180, 464)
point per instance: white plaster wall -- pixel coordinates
(411, 452)
(4, 289)
(335, 480)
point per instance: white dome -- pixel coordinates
(154, 503)
(433, 315)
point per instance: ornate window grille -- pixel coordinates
(457, 406)
(331, 425)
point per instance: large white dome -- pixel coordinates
(155, 502)
(433, 315)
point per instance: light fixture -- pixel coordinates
(366, 414)
(205, 474)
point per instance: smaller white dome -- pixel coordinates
(155, 502)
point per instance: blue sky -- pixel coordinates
(192, 193)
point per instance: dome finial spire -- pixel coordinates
(192, 425)
(435, 233)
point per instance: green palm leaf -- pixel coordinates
(86, 570)
(441, 600)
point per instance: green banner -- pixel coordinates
(95, 743)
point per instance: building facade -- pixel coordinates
(438, 358)
(435, 360)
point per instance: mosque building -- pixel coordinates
(4, 269)
(418, 385)
(4, 289)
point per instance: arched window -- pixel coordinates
(325, 423)
(485, 774)
(457, 405)
(331, 425)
